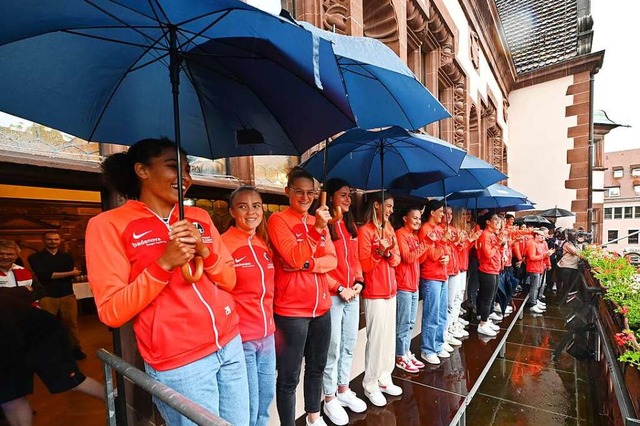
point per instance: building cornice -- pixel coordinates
(591, 62)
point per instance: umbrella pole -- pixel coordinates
(174, 75)
(337, 215)
(382, 186)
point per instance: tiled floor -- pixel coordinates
(523, 388)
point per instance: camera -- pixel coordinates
(586, 237)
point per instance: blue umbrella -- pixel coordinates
(111, 70)
(495, 196)
(382, 89)
(474, 174)
(370, 159)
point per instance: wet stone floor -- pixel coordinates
(523, 388)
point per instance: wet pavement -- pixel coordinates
(476, 384)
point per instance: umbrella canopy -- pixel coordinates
(535, 221)
(382, 90)
(555, 212)
(523, 206)
(474, 174)
(495, 196)
(249, 82)
(372, 160)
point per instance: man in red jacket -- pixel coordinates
(537, 260)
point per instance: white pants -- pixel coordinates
(379, 357)
(454, 298)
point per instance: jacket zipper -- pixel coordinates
(346, 253)
(315, 276)
(264, 288)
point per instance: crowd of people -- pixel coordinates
(279, 290)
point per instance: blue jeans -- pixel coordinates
(434, 315)
(218, 382)
(407, 310)
(260, 356)
(344, 333)
(535, 287)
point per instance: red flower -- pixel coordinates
(624, 310)
(621, 339)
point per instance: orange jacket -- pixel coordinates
(379, 274)
(463, 255)
(430, 266)
(489, 253)
(453, 267)
(254, 288)
(537, 256)
(349, 269)
(408, 271)
(175, 322)
(298, 292)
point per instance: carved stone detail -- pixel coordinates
(474, 49)
(459, 116)
(416, 20)
(381, 22)
(335, 13)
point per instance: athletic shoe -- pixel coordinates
(463, 321)
(319, 422)
(376, 397)
(350, 400)
(391, 389)
(452, 340)
(486, 330)
(495, 317)
(444, 354)
(454, 332)
(415, 361)
(541, 304)
(493, 326)
(536, 310)
(431, 358)
(509, 310)
(462, 311)
(459, 327)
(404, 363)
(334, 411)
(447, 347)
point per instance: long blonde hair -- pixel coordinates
(370, 215)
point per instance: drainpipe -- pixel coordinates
(591, 155)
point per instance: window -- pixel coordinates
(608, 213)
(618, 173)
(617, 213)
(635, 171)
(612, 235)
(613, 191)
(633, 239)
(636, 189)
(637, 214)
(628, 212)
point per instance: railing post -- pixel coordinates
(108, 391)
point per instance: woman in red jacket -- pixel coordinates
(379, 255)
(187, 332)
(345, 308)
(408, 278)
(490, 251)
(537, 255)
(248, 243)
(303, 256)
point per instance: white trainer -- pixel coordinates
(376, 397)
(495, 317)
(452, 340)
(334, 411)
(391, 389)
(431, 358)
(536, 310)
(319, 422)
(493, 326)
(486, 330)
(447, 347)
(461, 329)
(463, 321)
(350, 400)
(454, 332)
(444, 354)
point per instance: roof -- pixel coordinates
(600, 117)
(541, 33)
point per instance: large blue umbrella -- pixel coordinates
(223, 77)
(495, 196)
(382, 90)
(370, 159)
(474, 174)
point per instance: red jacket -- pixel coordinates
(379, 274)
(349, 268)
(408, 271)
(453, 267)
(463, 255)
(430, 266)
(175, 322)
(254, 288)
(489, 253)
(298, 292)
(537, 256)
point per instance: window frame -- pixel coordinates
(609, 239)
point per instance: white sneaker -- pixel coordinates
(509, 310)
(376, 397)
(486, 330)
(350, 400)
(444, 354)
(463, 321)
(447, 347)
(493, 326)
(541, 305)
(462, 311)
(454, 332)
(460, 328)
(536, 310)
(334, 411)
(391, 389)
(319, 422)
(431, 358)
(495, 317)
(452, 340)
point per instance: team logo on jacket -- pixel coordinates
(227, 310)
(199, 227)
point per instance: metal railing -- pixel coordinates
(173, 399)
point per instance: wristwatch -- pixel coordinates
(339, 290)
(305, 266)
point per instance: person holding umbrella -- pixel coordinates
(187, 332)
(248, 242)
(379, 256)
(490, 252)
(345, 307)
(304, 254)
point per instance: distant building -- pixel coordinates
(621, 199)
